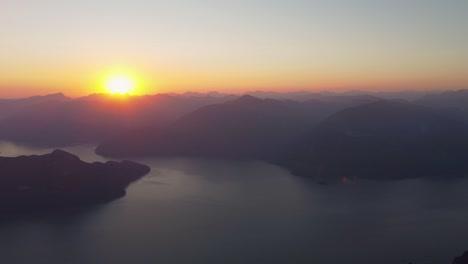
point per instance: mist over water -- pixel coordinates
(220, 211)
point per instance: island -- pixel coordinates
(62, 180)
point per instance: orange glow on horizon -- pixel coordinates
(139, 80)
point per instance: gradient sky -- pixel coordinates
(49, 46)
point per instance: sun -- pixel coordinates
(120, 84)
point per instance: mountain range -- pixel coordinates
(56, 120)
(383, 140)
(325, 136)
(246, 127)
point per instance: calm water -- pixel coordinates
(215, 212)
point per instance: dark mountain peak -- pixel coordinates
(406, 122)
(55, 96)
(247, 127)
(313, 101)
(250, 101)
(94, 96)
(163, 96)
(60, 94)
(190, 93)
(462, 91)
(381, 106)
(381, 113)
(44, 98)
(446, 95)
(341, 101)
(246, 100)
(449, 99)
(63, 155)
(216, 94)
(207, 94)
(457, 92)
(361, 98)
(384, 140)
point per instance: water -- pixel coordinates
(206, 211)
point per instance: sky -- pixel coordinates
(49, 46)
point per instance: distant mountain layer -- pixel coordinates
(383, 140)
(56, 120)
(9, 107)
(326, 136)
(247, 127)
(61, 179)
(450, 99)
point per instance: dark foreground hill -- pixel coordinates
(383, 140)
(61, 180)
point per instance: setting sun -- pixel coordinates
(120, 85)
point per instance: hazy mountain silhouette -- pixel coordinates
(452, 99)
(335, 103)
(247, 127)
(93, 118)
(322, 135)
(11, 106)
(296, 96)
(56, 120)
(307, 95)
(61, 179)
(212, 94)
(383, 140)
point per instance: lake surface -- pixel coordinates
(206, 211)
